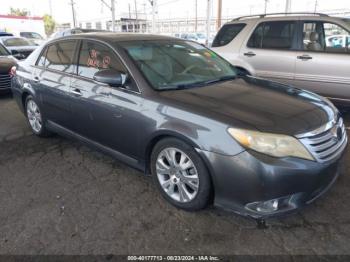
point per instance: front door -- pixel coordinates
(104, 114)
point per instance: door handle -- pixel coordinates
(36, 79)
(76, 92)
(304, 57)
(249, 54)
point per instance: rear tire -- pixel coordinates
(181, 175)
(35, 118)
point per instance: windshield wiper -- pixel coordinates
(221, 79)
(197, 84)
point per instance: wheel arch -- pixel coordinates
(171, 134)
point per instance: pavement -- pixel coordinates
(59, 197)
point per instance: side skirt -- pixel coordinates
(132, 162)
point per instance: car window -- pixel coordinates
(42, 59)
(95, 57)
(16, 41)
(274, 35)
(3, 51)
(325, 37)
(227, 33)
(31, 35)
(60, 56)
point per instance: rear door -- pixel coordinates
(53, 75)
(104, 114)
(271, 50)
(323, 64)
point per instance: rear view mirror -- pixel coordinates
(111, 77)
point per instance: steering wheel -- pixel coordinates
(189, 69)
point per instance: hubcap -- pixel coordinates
(34, 116)
(177, 175)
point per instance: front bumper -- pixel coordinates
(251, 177)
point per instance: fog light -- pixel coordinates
(264, 207)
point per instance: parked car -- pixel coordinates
(5, 34)
(175, 109)
(197, 37)
(74, 31)
(34, 37)
(338, 41)
(292, 49)
(20, 47)
(7, 61)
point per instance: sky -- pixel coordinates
(175, 9)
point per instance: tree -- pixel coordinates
(18, 12)
(49, 24)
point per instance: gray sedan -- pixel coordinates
(178, 111)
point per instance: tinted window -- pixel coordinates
(275, 35)
(16, 42)
(95, 57)
(60, 56)
(227, 33)
(325, 37)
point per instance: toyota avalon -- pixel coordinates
(178, 112)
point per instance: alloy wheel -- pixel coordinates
(177, 175)
(34, 116)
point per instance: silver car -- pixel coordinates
(302, 50)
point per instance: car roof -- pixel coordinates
(118, 37)
(282, 16)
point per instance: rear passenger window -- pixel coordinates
(227, 33)
(60, 56)
(274, 35)
(95, 57)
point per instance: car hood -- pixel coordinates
(6, 63)
(257, 103)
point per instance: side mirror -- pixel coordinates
(110, 77)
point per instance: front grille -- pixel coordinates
(5, 81)
(327, 145)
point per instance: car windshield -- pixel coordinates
(16, 42)
(31, 35)
(178, 64)
(3, 51)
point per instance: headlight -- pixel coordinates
(271, 144)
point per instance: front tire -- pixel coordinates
(181, 175)
(35, 118)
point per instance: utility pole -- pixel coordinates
(209, 2)
(288, 6)
(266, 1)
(218, 23)
(129, 11)
(316, 4)
(112, 8)
(73, 13)
(196, 15)
(135, 9)
(154, 7)
(113, 14)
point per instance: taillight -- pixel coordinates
(13, 71)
